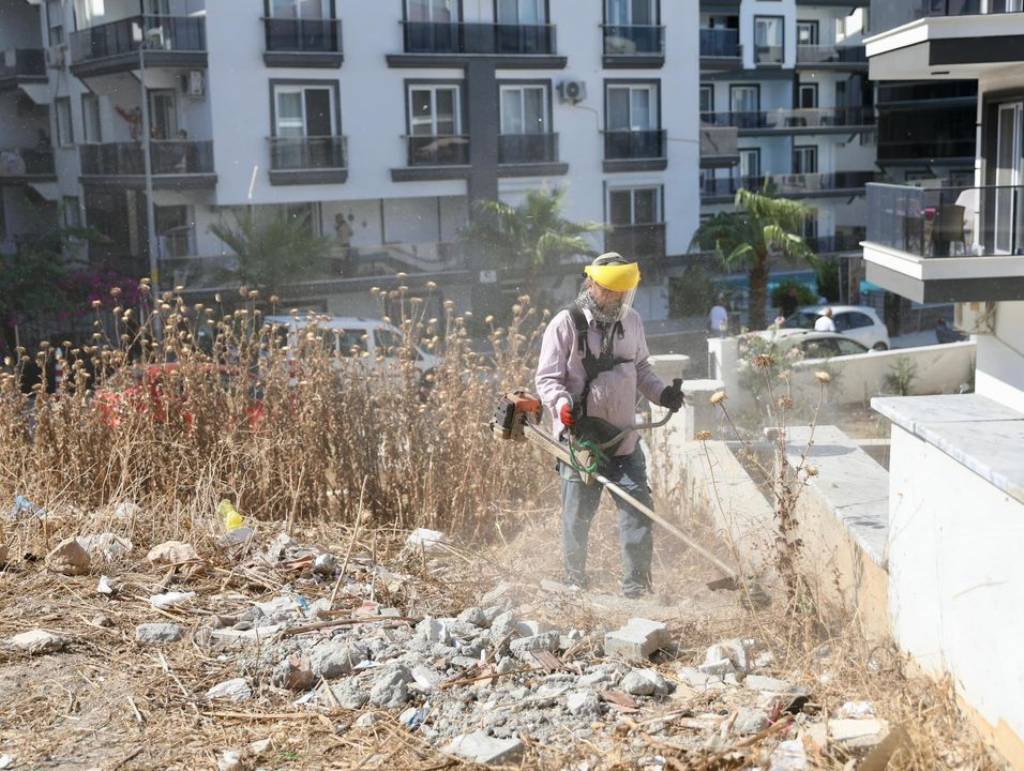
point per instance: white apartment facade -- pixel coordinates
(378, 123)
(956, 498)
(790, 78)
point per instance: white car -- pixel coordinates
(814, 345)
(858, 322)
(358, 336)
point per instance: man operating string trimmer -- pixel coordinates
(593, 360)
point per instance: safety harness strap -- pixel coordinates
(592, 365)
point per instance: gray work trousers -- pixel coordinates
(579, 504)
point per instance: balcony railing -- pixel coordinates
(633, 145)
(303, 35)
(637, 241)
(634, 40)
(831, 55)
(527, 148)
(936, 149)
(308, 153)
(968, 7)
(801, 118)
(154, 33)
(889, 15)
(724, 43)
(770, 55)
(174, 157)
(947, 221)
(443, 150)
(718, 142)
(459, 38)
(22, 62)
(843, 240)
(789, 184)
(177, 243)
(24, 162)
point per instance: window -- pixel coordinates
(91, 118)
(437, 11)
(849, 347)
(521, 12)
(823, 348)
(524, 109)
(632, 13)
(805, 159)
(299, 9)
(157, 7)
(807, 95)
(855, 320)
(744, 99)
(750, 162)
(65, 131)
(304, 111)
(55, 21)
(807, 33)
(434, 111)
(768, 40)
(72, 212)
(635, 206)
(163, 113)
(707, 99)
(632, 107)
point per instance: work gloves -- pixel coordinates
(672, 397)
(565, 414)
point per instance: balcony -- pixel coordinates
(720, 49)
(22, 65)
(842, 184)
(529, 155)
(302, 43)
(832, 57)
(167, 41)
(430, 158)
(633, 46)
(436, 44)
(844, 240)
(308, 160)
(175, 165)
(637, 241)
(22, 165)
(718, 146)
(769, 56)
(634, 151)
(799, 121)
(946, 244)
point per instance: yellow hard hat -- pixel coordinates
(612, 271)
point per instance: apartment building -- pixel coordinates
(956, 498)
(379, 124)
(784, 88)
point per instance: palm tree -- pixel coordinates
(527, 237)
(271, 252)
(761, 226)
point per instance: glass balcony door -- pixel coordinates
(632, 13)
(521, 12)
(432, 11)
(632, 108)
(1009, 175)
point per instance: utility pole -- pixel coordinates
(147, 164)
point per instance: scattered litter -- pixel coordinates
(127, 510)
(855, 710)
(104, 586)
(237, 537)
(236, 690)
(428, 540)
(172, 553)
(6, 761)
(230, 760)
(106, 547)
(171, 599)
(789, 756)
(229, 516)
(23, 508)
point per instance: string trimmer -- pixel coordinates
(518, 418)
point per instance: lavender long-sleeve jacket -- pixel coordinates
(560, 373)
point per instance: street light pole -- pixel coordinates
(147, 164)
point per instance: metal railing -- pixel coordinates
(637, 241)
(886, 14)
(938, 148)
(720, 42)
(177, 243)
(166, 158)
(718, 141)
(831, 55)
(789, 184)
(769, 55)
(527, 148)
(303, 35)
(22, 62)
(441, 150)
(636, 40)
(460, 38)
(633, 145)
(308, 153)
(26, 162)
(159, 33)
(843, 240)
(947, 221)
(811, 117)
(969, 7)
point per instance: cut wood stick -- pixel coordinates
(268, 715)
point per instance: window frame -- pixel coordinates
(733, 87)
(521, 85)
(544, 6)
(781, 20)
(813, 24)
(606, 16)
(301, 84)
(50, 26)
(756, 151)
(812, 150)
(91, 98)
(632, 190)
(432, 85)
(630, 84)
(813, 88)
(268, 11)
(69, 123)
(458, 20)
(708, 88)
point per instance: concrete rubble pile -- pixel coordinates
(483, 684)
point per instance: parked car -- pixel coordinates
(353, 336)
(815, 345)
(858, 322)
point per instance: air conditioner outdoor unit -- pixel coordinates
(572, 91)
(194, 84)
(56, 55)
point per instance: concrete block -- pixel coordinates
(481, 748)
(637, 640)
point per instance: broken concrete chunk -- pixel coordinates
(37, 642)
(237, 537)
(531, 628)
(645, 682)
(68, 558)
(702, 681)
(637, 640)
(857, 734)
(750, 721)
(770, 685)
(105, 587)
(737, 652)
(498, 594)
(583, 703)
(432, 630)
(172, 553)
(230, 760)
(106, 547)
(428, 540)
(367, 720)
(855, 710)
(789, 756)
(427, 678)
(335, 659)
(548, 641)
(158, 634)
(717, 668)
(480, 748)
(390, 688)
(474, 616)
(236, 690)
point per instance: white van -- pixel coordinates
(356, 336)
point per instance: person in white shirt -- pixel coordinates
(718, 318)
(824, 322)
